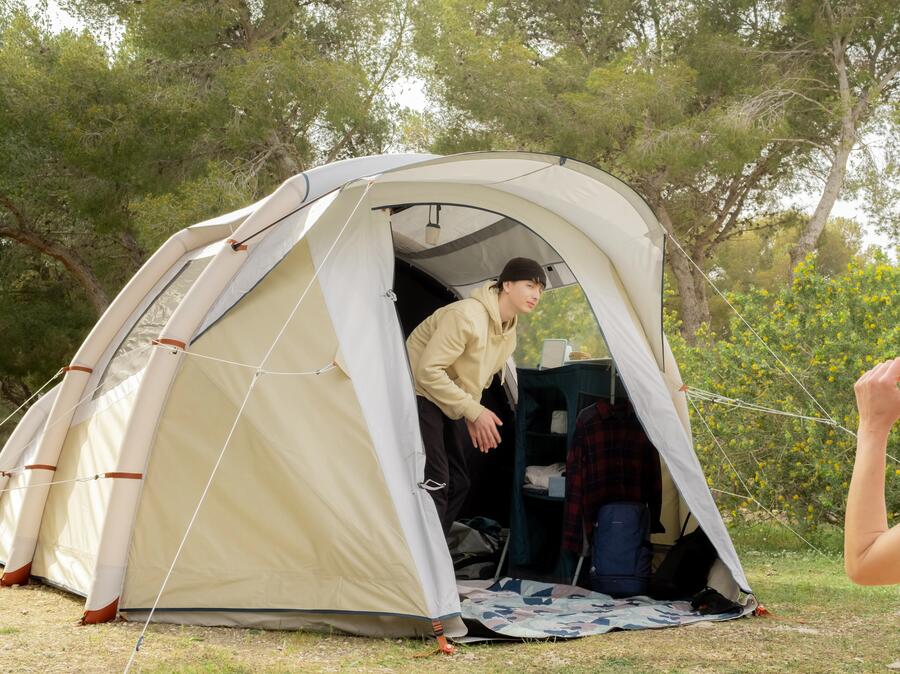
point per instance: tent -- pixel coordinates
(263, 348)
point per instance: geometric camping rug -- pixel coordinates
(514, 608)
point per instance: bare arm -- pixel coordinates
(871, 550)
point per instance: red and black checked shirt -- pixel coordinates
(611, 459)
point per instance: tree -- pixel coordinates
(828, 330)
(198, 109)
(678, 103)
(759, 259)
(851, 50)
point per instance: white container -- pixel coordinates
(556, 486)
(559, 422)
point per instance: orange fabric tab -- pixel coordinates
(683, 388)
(102, 615)
(77, 368)
(235, 245)
(39, 466)
(444, 646)
(165, 341)
(125, 476)
(18, 577)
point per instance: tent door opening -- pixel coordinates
(529, 517)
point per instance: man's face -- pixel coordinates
(524, 295)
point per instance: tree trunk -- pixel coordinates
(850, 117)
(809, 239)
(69, 259)
(14, 391)
(691, 284)
(138, 256)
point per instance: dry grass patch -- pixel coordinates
(822, 624)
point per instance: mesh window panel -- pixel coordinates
(130, 357)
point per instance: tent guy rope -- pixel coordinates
(81, 401)
(32, 397)
(86, 478)
(749, 496)
(253, 382)
(321, 370)
(751, 328)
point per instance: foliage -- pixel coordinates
(111, 146)
(827, 331)
(685, 103)
(759, 257)
(562, 313)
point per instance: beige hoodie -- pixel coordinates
(455, 352)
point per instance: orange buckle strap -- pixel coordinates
(76, 368)
(40, 466)
(443, 645)
(164, 341)
(125, 476)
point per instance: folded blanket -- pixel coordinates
(538, 477)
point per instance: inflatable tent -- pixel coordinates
(264, 348)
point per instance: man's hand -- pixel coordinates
(483, 430)
(877, 396)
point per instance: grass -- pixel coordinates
(821, 623)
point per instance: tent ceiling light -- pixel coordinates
(433, 229)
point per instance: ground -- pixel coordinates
(820, 623)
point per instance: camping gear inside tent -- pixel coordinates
(236, 442)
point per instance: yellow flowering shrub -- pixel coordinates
(827, 330)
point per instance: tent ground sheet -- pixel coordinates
(523, 609)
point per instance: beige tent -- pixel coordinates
(256, 363)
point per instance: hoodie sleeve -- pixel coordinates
(449, 339)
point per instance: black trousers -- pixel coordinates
(446, 445)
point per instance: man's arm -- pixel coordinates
(871, 550)
(447, 343)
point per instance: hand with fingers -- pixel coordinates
(871, 549)
(484, 432)
(878, 397)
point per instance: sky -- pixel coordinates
(410, 93)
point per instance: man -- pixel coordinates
(454, 354)
(871, 550)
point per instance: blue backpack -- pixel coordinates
(621, 552)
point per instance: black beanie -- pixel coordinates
(522, 269)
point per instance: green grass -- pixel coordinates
(821, 623)
(769, 536)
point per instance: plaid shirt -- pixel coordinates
(611, 459)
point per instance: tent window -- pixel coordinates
(129, 358)
(563, 313)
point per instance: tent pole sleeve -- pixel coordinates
(124, 498)
(71, 390)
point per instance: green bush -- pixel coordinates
(827, 330)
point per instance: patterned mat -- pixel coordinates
(528, 609)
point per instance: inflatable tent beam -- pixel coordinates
(112, 555)
(72, 388)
